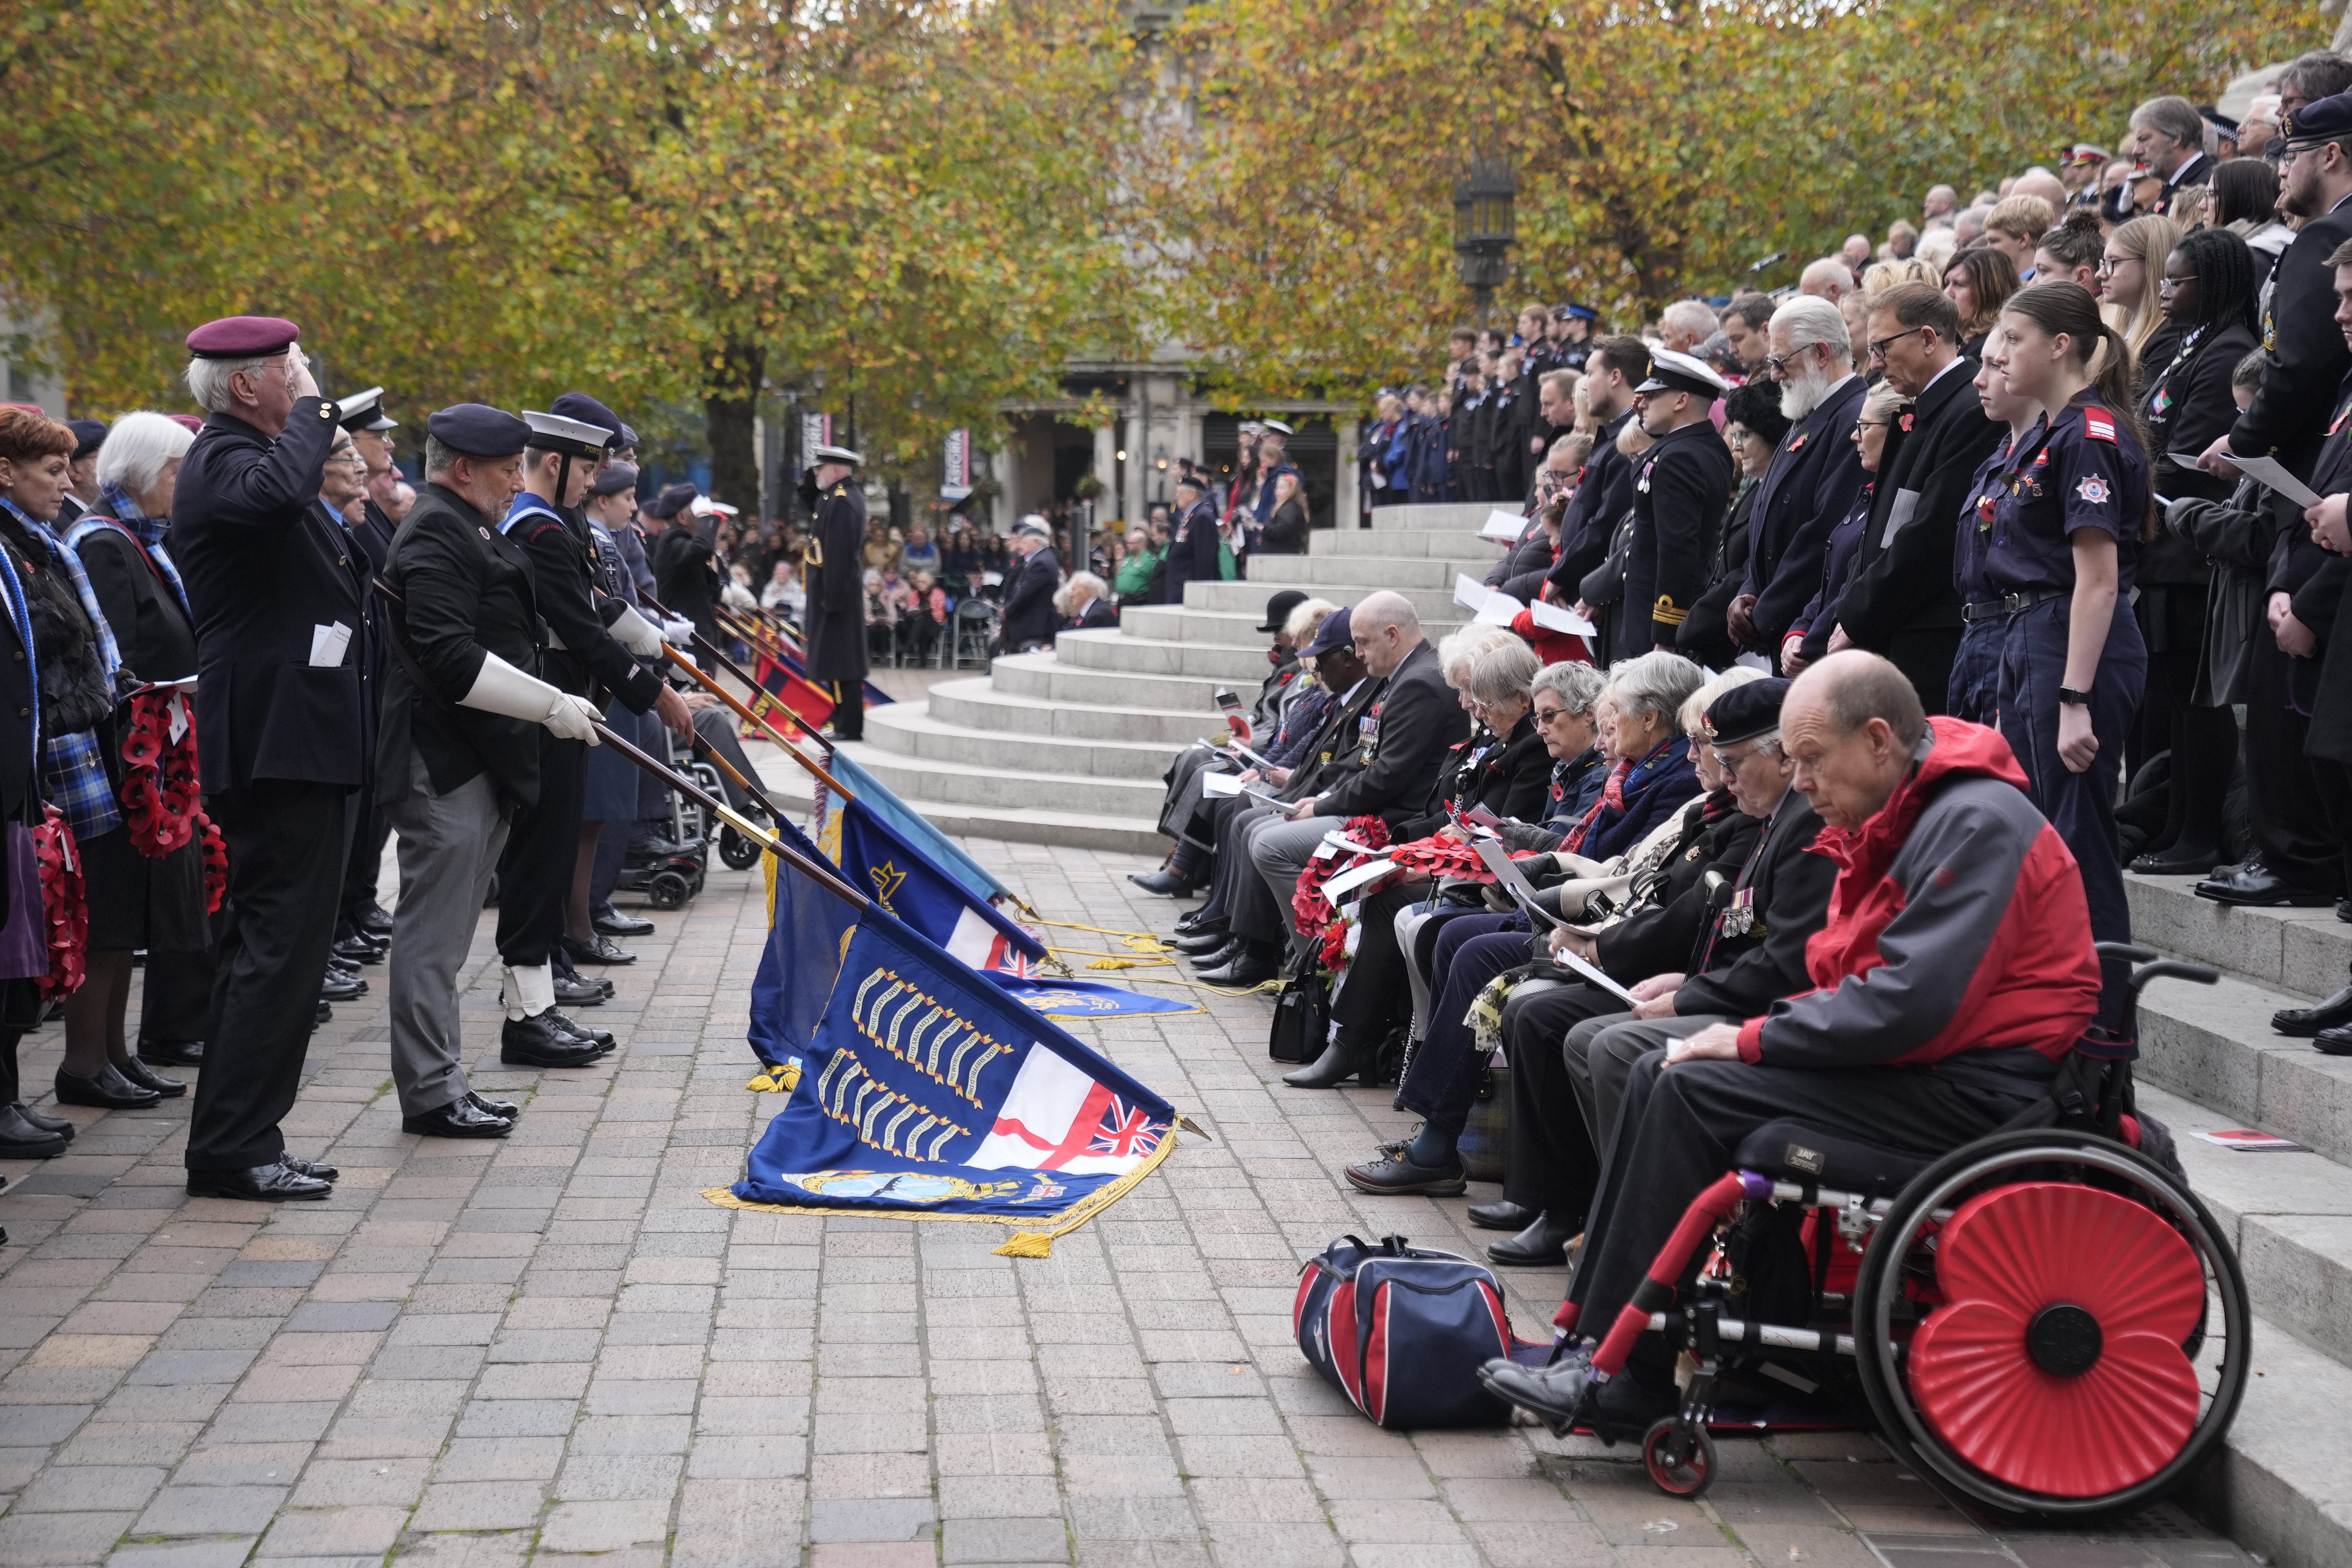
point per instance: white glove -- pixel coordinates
(631, 631)
(503, 689)
(678, 634)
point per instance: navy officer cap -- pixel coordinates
(364, 410)
(242, 337)
(1331, 635)
(2321, 119)
(1674, 371)
(477, 430)
(574, 438)
(1746, 712)
(588, 411)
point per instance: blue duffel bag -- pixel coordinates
(1402, 1330)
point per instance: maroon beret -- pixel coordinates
(193, 426)
(242, 337)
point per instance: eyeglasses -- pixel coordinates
(1878, 350)
(1555, 716)
(2169, 284)
(2110, 265)
(1775, 364)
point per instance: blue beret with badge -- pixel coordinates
(477, 430)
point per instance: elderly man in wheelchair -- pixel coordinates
(2034, 1284)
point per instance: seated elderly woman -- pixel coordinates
(1506, 766)
(1651, 780)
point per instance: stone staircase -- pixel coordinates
(1067, 748)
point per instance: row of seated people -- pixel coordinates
(1826, 907)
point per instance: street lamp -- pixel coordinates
(1482, 231)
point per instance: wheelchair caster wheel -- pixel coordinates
(738, 853)
(668, 891)
(1680, 1464)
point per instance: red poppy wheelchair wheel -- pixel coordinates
(2035, 1323)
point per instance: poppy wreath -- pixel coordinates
(65, 912)
(159, 781)
(1314, 912)
(216, 864)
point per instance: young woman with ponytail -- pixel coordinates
(2065, 533)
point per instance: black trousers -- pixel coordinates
(2204, 746)
(1925, 655)
(848, 710)
(1378, 992)
(1552, 1165)
(369, 832)
(177, 997)
(288, 845)
(542, 847)
(1678, 1128)
(2282, 807)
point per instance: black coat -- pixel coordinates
(1658, 937)
(2288, 417)
(1703, 635)
(1604, 491)
(1029, 601)
(1099, 615)
(686, 577)
(1509, 778)
(1682, 487)
(1902, 579)
(1285, 531)
(2318, 583)
(152, 631)
(1786, 890)
(1336, 751)
(582, 656)
(1416, 719)
(1191, 552)
(263, 572)
(1532, 552)
(1806, 492)
(833, 571)
(467, 590)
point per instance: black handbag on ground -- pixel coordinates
(1302, 1016)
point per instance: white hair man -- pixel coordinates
(1814, 478)
(1829, 278)
(1683, 325)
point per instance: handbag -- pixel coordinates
(1403, 1331)
(1302, 1016)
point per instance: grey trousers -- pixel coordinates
(1599, 1054)
(449, 846)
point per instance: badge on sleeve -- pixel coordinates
(2093, 490)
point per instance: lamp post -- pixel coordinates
(1482, 231)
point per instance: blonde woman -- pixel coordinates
(2128, 274)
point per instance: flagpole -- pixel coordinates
(732, 772)
(815, 870)
(745, 712)
(737, 671)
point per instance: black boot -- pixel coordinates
(1543, 1245)
(2306, 1022)
(1341, 1060)
(1164, 882)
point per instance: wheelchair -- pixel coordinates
(2046, 1321)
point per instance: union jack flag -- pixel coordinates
(1126, 1132)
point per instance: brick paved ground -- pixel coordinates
(553, 1347)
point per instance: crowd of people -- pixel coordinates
(1923, 598)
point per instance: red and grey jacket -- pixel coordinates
(1958, 924)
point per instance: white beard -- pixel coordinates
(1803, 394)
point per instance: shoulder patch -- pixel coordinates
(2099, 425)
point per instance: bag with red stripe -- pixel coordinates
(1402, 1330)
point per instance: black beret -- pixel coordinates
(2321, 119)
(477, 430)
(1746, 712)
(672, 499)
(242, 337)
(614, 480)
(588, 411)
(87, 435)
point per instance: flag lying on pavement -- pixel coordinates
(927, 1091)
(908, 882)
(1084, 998)
(806, 925)
(911, 825)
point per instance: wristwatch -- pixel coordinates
(2079, 699)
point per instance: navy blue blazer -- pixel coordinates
(1806, 492)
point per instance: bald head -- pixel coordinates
(1386, 628)
(1827, 279)
(1851, 724)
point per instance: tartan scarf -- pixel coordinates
(67, 562)
(1611, 803)
(147, 530)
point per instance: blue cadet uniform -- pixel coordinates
(2083, 473)
(1974, 693)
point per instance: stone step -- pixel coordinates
(1470, 516)
(1184, 623)
(1433, 604)
(977, 705)
(912, 731)
(2307, 951)
(789, 786)
(1398, 543)
(2214, 1045)
(976, 793)
(1240, 668)
(1366, 571)
(1048, 679)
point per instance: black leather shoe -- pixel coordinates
(536, 1043)
(341, 966)
(1549, 1393)
(572, 991)
(57, 1125)
(1164, 882)
(1201, 943)
(317, 1168)
(601, 1038)
(2344, 910)
(1250, 968)
(618, 924)
(172, 1053)
(145, 1077)
(374, 919)
(325, 1015)
(106, 1088)
(359, 949)
(597, 950)
(1543, 1245)
(1502, 1214)
(336, 988)
(1224, 953)
(2304, 1022)
(21, 1140)
(461, 1118)
(1396, 1176)
(2255, 885)
(261, 1185)
(1198, 920)
(2336, 1042)
(2177, 862)
(1339, 1062)
(505, 1107)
